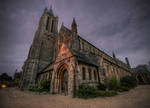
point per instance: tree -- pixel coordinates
(5, 77)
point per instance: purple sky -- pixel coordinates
(122, 26)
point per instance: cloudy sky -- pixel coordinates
(122, 26)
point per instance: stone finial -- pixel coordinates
(114, 56)
(62, 28)
(51, 11)
(45, 11)
(127, 61)
(74, 25)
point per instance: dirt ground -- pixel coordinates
(14, 98)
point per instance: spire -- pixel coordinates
(62, 27)
(74, 25)
(114, 56)
(62, 24)
(45, 11)
(127, 61)
(74, 22)
(51, 11)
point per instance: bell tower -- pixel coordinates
(42, 50)
(52, 22)
(48, 22)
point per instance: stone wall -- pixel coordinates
(45, 76)
(93, 70)
(64, 60)
(112, 67)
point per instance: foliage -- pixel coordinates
(101, 93)
(128, 81)
(5, 77)
(45, 85)
(17, 78)
(87, 91)
(107, 93)
(123, 88)
(101, 86)
(41, 87)
(113, 83)
(111, 93)
(34, 88)
(12, 83)
(7, 80)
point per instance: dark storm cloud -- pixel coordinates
(111, 25)
(18, 23)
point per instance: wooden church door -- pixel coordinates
(64, 83)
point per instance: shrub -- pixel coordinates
(33, 88)
(101, 93)
(101, 86)
(111, 93)
(86, 91)
(123, 88)
(42, 87)
(45, 85)
(13, 83)
(128, 81)
(107, 93)
(113, 83)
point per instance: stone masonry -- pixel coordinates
(67, 60)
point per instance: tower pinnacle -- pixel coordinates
(127, 61)
(45, 11)
(74, 25)
(114, 56)
(51, 11)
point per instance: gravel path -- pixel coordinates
(14, 98)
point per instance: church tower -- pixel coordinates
(42, 50)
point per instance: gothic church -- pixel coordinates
(66, 59)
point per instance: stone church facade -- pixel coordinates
(66, 59)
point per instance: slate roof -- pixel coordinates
(80, 56)
(84, 58)
(42, 71)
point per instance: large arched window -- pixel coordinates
(90, 74)
(52, 26)
(83, 73)
(47, 24)
(95, 76)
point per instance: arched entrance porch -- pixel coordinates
(62, 79)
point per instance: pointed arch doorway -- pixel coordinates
(62, 79)
(64, 82)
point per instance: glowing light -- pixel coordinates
(3, 86)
